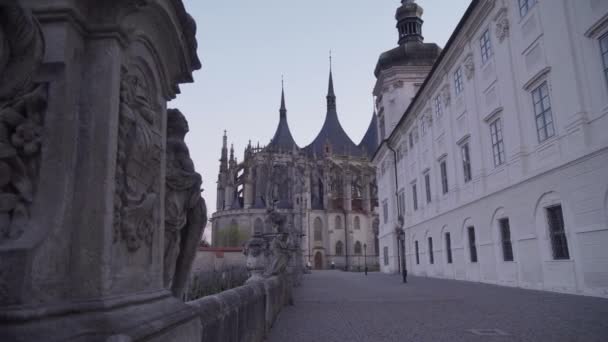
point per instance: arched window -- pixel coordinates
(258, 226)
(339, 248)
(357, 248)
(318, 226)
(338, 222)
(357, 222)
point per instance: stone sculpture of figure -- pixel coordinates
(256, 250)
(279, 255)
(185, 210)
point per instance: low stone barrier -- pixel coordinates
(243, 314)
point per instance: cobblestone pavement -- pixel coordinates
(339, 306)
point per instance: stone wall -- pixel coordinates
(243, 314)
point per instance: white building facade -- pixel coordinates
(501, 157)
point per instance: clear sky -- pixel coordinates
(245, 46)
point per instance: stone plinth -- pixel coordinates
(83, 93)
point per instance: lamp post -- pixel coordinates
(400, 232)
(365, 256)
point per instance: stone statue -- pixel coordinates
(279, 255)
(256, 250)
(185, 209)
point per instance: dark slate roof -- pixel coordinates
(410, 53)
(369, 143)
(332, 131)
(283, 139)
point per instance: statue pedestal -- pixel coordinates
(82, 216)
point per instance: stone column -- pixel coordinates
(83, 245)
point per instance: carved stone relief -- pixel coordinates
(469, 67)
(138, 163)
(22, 110)
(502, 28)
(445, 93)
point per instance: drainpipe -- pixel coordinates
(400, 241)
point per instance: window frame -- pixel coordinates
(473, 257)
(497, 138)
(448, 247)
(525, 6)
(431, 255)
(564, 253)
(438, 106)
(414, 196)
(385, 210)
(504, 225)
(358, 248)
(465, 153)
(458, 84)
(538, 98)
(485, 43)
(427, 185)
(443, 170)
(385, 255)
(340, 251)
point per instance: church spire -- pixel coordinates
(224, 157)
(283, 110)
(409, 22)
(331, 95)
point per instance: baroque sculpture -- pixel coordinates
(22, 110)
(137, 167)
(185, 209)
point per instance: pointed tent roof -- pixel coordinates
(332, 131)
(369, 143)
(282, 137)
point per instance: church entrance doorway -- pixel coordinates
(318, 261)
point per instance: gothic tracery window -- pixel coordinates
(339, 248)
(357, 248)
(318, 230)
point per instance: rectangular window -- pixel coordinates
(385, 210)
(427, 185)
(431, 256)
(472, 245)
(604, 50)
(448, 247)
(444, 176)
(498, 147)
(385, 252)
(382, 128)
(486, 46)
(417, 253)
(414, 197)
(505, 234)
(438, 107)
(401, 200)
(542, 111)
(411, 138)
(524, 6)
(458, 85)
(559, 243)
(466, 162)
